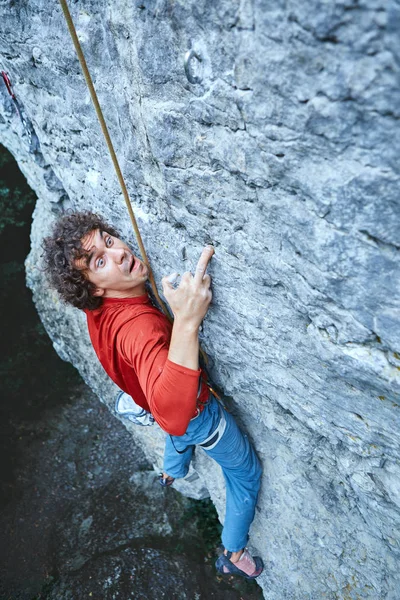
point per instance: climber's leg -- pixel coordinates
(176, 464)
(240, 466)
(242, 473)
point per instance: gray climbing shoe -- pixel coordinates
(126, 407)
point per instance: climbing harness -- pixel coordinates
(216, 435)
(110, 146)
(212, 440)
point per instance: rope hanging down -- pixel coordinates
(99, 113)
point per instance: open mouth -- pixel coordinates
(132, 265)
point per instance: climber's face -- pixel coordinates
(112, 267)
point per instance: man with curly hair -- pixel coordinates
(156, 363)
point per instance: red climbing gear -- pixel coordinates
(7, 82)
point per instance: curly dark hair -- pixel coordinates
(63, 248)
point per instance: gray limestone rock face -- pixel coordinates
(284, 153)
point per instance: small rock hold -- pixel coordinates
(37, 55)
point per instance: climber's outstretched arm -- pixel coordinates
(189, 303)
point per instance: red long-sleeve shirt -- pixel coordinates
(131, 339)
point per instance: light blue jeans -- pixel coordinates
(240, 466)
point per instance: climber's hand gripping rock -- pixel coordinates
(189, 302)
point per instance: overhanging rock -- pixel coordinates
(285, 155)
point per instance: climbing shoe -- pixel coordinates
(165, 481)
(126, 407)
(247, 566)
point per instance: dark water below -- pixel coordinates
(81, 515)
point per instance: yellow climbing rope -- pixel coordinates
(114, 159)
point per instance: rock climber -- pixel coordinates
(156, 363)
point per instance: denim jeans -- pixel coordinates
(240, 466)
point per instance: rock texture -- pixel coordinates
(285, 155)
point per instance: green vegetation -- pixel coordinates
(27, 356)
(46, 589)
(207, 523)
(16, 198)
